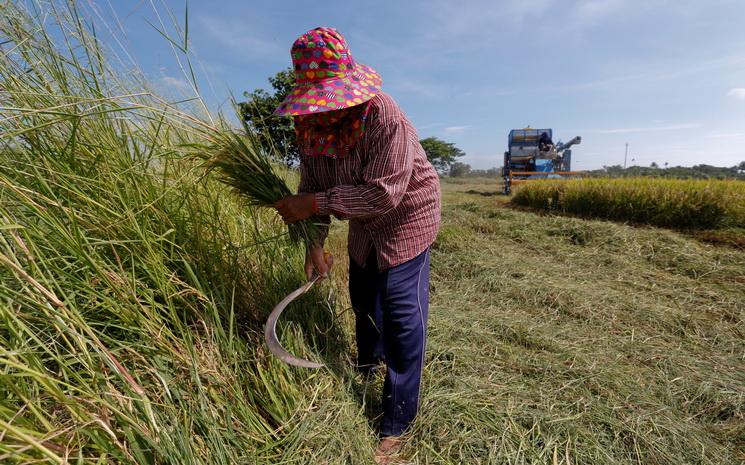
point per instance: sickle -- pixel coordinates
(270, 329)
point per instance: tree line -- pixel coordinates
(702, 171)
(277, 136)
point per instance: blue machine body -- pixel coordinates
(531, 156)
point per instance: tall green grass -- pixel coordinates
(131, 285)
(659, 202)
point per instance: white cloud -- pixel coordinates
(175, 83)
(660, 74)
(737, 92)
(480, 21)
(419, 87)
(455, 129)
(592, 11)
(243, 39)
(212, 68)
(674, 127)
(584, 14)
(488, 91)
(725, 135)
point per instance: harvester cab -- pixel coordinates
(531, 154)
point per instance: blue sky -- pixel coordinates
(665, 76)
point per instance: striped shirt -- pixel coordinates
(386, 188)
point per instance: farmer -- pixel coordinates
(545, 143)
(361, 161)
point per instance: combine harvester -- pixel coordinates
(533, 155)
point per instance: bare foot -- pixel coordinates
(388, 450)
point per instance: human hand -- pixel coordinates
(319, 261)
(294, 208)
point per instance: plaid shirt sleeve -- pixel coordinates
(308, 185)
(386, 176)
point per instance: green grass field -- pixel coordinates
(562, 340)
(134, 287)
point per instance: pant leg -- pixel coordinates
(368, 311)
(405, 311)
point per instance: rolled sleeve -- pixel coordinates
(322, 202)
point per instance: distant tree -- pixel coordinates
(679, 172)
(458, 169)
(654, 165)
(276, 133)
(487, 173)
(440, 153)
(741, 166)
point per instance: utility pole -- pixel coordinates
(626, 155)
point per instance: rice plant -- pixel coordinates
(685, 204)
(132, 286)
(240, 163)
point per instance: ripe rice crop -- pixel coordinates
(684, 204)
(241, 164)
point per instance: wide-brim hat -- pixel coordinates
(327, 77)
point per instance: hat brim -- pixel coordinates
(332, 94)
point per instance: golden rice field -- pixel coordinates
(675, 203)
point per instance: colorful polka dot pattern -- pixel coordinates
(327, 77)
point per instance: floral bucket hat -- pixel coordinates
(327, 77)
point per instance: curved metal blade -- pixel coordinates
(270, 329)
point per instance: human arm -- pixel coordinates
(385, 174)
(300, 207)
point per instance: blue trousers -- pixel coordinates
(391, 308)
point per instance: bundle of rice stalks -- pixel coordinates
(241, 163)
